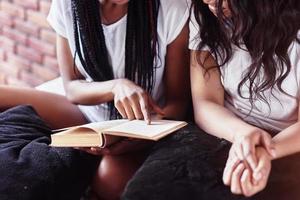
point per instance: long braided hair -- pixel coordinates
(266, 27)
(140, 48)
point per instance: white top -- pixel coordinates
(173, 15)
(283, 110)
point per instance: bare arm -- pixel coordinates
(287, 142)
(208, 101)
(176, 78)
(176, 81)
(130, 100)
(77, 89)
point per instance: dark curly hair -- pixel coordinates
(266, 27)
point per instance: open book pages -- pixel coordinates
(105, 133)
(139, 129)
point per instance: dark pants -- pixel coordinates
(189, 165)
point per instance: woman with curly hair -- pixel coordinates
(245, 71)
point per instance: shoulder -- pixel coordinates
(60, 16)
(174, 7)
(295, 46)
(294, 54)
(173, 15)
(194, 37)
(61, 6)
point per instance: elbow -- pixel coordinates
(198, 121)
(72, 98)
(71, 95)
(201, 114)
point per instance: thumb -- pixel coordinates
(261, 171)
(155, 107)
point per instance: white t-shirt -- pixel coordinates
(173, 15)
(283, 110)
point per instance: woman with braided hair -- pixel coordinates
(118, 59)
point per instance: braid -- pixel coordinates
(141, 33)
(140, 48)
(86, 22)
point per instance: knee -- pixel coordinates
(112, 175)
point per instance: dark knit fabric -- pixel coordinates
(32, 170)
(189, 165)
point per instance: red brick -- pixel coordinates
(30, 79)
(45, 6)
(27, 43)
(27, 27)
(37, 18)
(2, 55)
(15, 35)
(18, 61)
(41, 46)
(7, 44)
(9, 69)
(31, 4)
(5, 19)
(16, 82)
(12, 9)
(29, 53)
(2, 78)
(43, 72)
(51, 62)
(48, 36)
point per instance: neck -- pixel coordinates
(112, 12)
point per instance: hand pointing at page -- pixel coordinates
(133, 102)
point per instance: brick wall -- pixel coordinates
(27, 43)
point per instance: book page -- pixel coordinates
(88, 135)
(100, 126)
(140, 129)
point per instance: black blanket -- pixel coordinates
(32, 170)
(189, 165)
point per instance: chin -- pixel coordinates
(120, 2)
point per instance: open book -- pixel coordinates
(102, 134)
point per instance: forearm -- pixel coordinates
(90, 93)
(287, 142)
(175, 110)
(215, 119)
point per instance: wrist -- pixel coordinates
(116, 84)
(241, 131)
(262, 150)
(276, 151)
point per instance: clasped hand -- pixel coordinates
(249, 162)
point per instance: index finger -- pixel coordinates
(249, 154)
(145, 107)
(231, 164)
